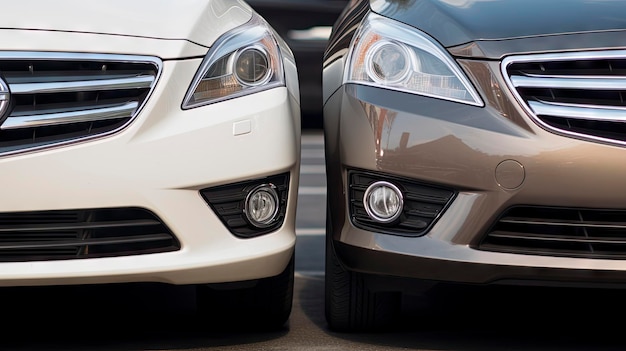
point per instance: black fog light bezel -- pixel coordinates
(229, 204)
(423, 203)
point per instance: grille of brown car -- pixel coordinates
(72, 234)
(577, 94)
(61, 97)
(589, 233)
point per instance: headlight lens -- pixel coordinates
(392, 55)
(243, 61)
(252, 66)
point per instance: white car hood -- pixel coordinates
(198, 21)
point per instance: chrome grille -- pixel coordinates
(62, 97)
(577, 94)
(72, 234)
(573, 232)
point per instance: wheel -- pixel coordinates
(349, 304)
(264, 304)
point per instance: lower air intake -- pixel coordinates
(568, 232)
(75, 234)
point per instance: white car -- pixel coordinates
(150, 141)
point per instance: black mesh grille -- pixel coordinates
(590, 233)
(73, 234)
(423, 204)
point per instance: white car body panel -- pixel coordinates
(28, 40)
(198, 21)
(162, 159)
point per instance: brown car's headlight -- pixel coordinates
(392, 55)
(243, 61)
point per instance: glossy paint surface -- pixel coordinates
(166, 155)
(454, 22)
(198, 21)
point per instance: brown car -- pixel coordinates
(474, 142)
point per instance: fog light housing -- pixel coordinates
(261, 206)
(383, 202)
(231, 203)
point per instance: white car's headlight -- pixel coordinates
(392, 55)
(245, 60)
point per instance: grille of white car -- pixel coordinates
(63, 97)
(577, 94)
(572, 232)
(72, 234)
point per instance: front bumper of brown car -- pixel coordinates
(526, 205)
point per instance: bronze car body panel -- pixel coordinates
(452, 147)
(457, 22)
(497, 49)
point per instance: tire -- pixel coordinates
(265, 305)
(349, 305)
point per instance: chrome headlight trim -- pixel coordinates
(217, 68)
(434, 73)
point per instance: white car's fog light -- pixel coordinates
(261, 206)
(383, 202)
(252, 66)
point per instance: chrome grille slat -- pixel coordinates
(573, 82)
(139, 82)
(57, 118)
(582, 95)
(60, 98)
(583, 112)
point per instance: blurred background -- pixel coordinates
(306, 26)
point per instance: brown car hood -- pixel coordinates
(459, 22)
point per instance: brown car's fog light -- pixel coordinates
(389, 204)
(261, 207)
(383, 202)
